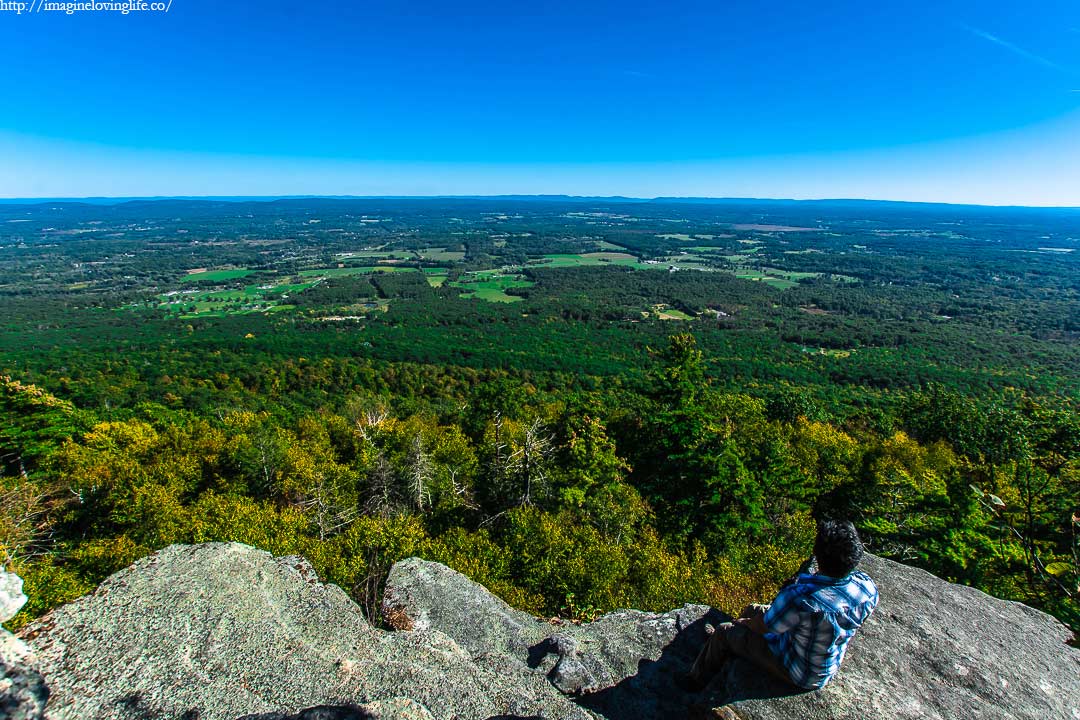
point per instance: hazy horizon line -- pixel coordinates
(120, 199)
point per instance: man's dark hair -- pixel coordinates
(837, 548)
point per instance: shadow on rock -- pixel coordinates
(321, 712)
(538, 652)
(134, 706)
(652, 691)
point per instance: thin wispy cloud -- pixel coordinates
(1015, 49)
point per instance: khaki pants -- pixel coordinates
(734, 640)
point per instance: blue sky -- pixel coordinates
(944, 101)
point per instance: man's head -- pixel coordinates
(837, 548)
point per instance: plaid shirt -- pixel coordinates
(811, 620)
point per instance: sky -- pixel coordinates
(944, 101)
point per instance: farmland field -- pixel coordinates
(214, 275)
(436, 276)
(583, 260)
(492, 287)
(377, 255)
(237, 301)
(442, 255)
(358, 270)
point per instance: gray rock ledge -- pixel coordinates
(223, 631)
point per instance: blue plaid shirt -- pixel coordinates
(811, 620)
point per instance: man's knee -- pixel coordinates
(719, 646)
(720, 635)
(735, 637)
(713, 654)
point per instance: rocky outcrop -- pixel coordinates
(593, 661)
(23, 693)
(931, 650)
(223, 631)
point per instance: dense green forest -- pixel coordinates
(583, 405)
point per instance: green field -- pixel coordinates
(436, 277)
(358, 270)
(490, 287)
(784, 279)
(214, 275)
(567, 260)
(664, 312)
(219, 303)
(756, 275)
(488, 274)
(687, 258)
(687, 237)
(790, 274)
(442, 255)
(609, 256)
(286, 289)
(598, 258)
(378, 254)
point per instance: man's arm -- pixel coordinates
(778, 617)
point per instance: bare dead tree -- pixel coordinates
(267, 456)
(462, 491)
(499, 456)
(369, 421)
(518, 474)
(530, 461)
(329, 514)
(25, 522)
(383, 496)
(419, 475)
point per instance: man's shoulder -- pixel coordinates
(861, 587)
(860, 578)
(814, 590)
(854, 589)
(794, 595)
(805, 584)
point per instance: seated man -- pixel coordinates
(801, 637)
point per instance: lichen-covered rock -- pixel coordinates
(23, 693)
(569, 675)
(423, 595)
(221, 630)
(227, 632)
(931, 650)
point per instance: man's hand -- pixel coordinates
(755, 623)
